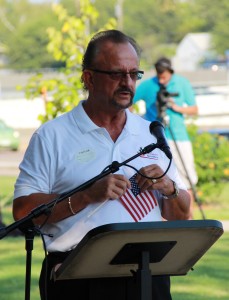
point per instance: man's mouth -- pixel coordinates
(125, 92)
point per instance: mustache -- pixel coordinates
(127, 90)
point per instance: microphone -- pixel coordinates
(157, 129)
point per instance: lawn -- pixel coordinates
(13, 267)
(208, 281)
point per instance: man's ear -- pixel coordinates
(87, 78)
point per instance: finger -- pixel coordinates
(144, 184)
(148, 169)
(116, 193)
(122, 181)
(117, 186)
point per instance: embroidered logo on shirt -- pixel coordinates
(150, 156)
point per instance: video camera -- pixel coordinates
(162, 101)
(163, 94)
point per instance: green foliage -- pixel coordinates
(212, 162)
(67, 45)
(24, 35)
(215, 19)
(158, 26)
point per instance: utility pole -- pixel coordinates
(119, 13)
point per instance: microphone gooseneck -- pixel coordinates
(157, 129)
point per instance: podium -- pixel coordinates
(144, 249)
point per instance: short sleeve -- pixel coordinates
(34, 174)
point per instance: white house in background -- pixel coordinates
(192, 49)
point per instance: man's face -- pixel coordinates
(164, 77)
(114, 92)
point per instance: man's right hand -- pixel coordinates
(110, 187)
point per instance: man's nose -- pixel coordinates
(126, 79)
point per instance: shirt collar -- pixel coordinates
(86, 125)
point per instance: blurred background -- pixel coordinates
(191, 33)
(41, 48)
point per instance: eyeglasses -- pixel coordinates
(116, 75)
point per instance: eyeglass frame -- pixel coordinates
(120, 74)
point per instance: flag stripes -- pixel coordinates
(136, 203)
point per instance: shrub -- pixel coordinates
(211, 160)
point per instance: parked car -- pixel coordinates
(9, 137)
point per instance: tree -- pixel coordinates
(28, 51)
(24, 33)
(67, 45)
(158, 26)
(212, 17)
(220, 30)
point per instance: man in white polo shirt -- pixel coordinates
(73, 148)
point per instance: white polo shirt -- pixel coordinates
(70, 150)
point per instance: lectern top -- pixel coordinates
(103, 251)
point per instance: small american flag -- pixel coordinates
(138, 204)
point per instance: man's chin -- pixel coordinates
(123, 104)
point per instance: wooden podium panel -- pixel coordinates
(114, 250)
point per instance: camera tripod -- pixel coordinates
(164, 119)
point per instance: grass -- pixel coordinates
(218, 209)
(208, 281)
(13, 268)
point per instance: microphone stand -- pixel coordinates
(27, 226)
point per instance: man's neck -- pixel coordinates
(112, 121)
